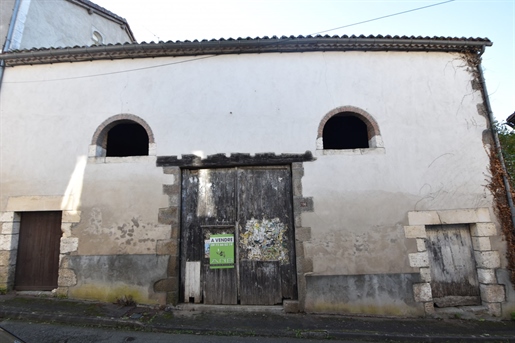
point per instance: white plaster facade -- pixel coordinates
(60, 23)
(431, 155)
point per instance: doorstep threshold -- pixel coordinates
(229, 308)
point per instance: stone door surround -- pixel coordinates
(487, 260)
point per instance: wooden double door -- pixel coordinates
(250, 209)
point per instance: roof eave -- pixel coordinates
(239, 46)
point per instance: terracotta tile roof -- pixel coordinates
(246, 45)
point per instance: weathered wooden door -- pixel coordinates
(254, 206)
(37, 263)
(453, 269)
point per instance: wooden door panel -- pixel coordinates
(220, 286)
(453, 269)
(208, 201)
(260, 283)
(37, 264)
(266, 233)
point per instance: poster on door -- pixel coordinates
(221, 251)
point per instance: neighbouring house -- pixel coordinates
(327, 174)
(26, 24)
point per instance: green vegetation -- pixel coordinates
(126, 300)
(507, 139)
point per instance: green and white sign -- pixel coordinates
(221, 251)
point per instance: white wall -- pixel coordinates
(424, 104)
(60, 23)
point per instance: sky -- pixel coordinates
(179, 20)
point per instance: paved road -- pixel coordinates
(54, 333)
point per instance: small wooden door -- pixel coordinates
(253, 205)
(453, 268)
(37, 264)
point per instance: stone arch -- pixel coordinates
(373, 132)
(99, 140)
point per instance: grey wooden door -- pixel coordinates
(37, 263)
(255, 205)
(453, 269)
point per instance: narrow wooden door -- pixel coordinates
(208, 208)
(252, 205)
(266, 252)
(453, 269)
(37, 263)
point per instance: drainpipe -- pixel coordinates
(497, 143)
(7, 44)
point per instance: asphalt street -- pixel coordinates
(32, 332)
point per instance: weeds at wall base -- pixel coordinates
(126, 300)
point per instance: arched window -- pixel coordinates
(345, 131)
(348, 128)
(127, 139)
(121, 136)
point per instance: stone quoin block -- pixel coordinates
(494, 309)
(175, 171)
(152, 149)
(171, 189)
(166, 285)
(173, 266)
(4, 275)
(487, 259)
(421, 245)
(486, 276)
(304, 264)
(475, 215)
(168, 216)
(64, 261)
(303, 204)
(482, 229)
(481, 243)
(166, 247)
(69, 245)
(9, 216)
(415, 231)
(71, 217)
(299, 249)
(303, 234)
(8, 242)
(483, 215)
(67, 278)
(5, 257)
(422, 292)
(61, 291)
(291, 306)
(492, 293)
(425, 274)
(10, 228)
(66, 228)
(420, 259)
(172, 298)
(429, 307)
(423, 218)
